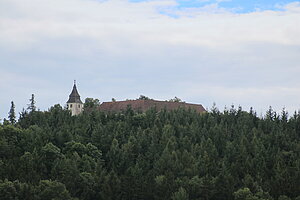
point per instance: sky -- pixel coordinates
(227, 52)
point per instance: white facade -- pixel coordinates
(75, 108)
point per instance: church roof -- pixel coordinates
(74, 97)
(144, 105)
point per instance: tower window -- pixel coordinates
(71, 106)
(78, 106)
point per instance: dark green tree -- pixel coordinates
(175, 99)
(12, 114)
(181, 194)
(50, 190)
(158, 155)
(31, 106)
(16, 191)
(143, 97)
(91, 103)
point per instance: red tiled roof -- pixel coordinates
(144, 105)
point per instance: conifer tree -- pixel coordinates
(12, 114)
(181, 194)
(177, 155)
(31, 105)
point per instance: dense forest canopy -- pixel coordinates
(155, 155)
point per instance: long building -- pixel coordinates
(75, 105)
(144, 105)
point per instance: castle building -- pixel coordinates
(74, 104)
(141, 105)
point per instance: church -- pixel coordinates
(75, 105)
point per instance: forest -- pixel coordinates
(155, 155)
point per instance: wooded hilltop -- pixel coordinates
(154, 155)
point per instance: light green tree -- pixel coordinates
(181, 194)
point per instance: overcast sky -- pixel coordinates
(203, 51)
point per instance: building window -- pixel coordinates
(78, 106)
(70, 105)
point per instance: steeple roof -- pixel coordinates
(74, 97)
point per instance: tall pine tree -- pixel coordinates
(31, 106)
(12, 114)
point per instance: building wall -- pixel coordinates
(75, 108)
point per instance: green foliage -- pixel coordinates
(12, 114)
(142, 97)
(91, 103)
(31, 106)
(16, 190)
(181, 194)
(52, 190)
(246, 194)
(243, 194)
(175, 99)
(178, 154)
(283, 197)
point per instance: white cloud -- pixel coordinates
(115, 21)
(132, 48)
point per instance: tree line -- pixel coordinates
(158, 155)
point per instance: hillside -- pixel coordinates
(177, 155)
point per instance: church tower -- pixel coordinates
(74, 103)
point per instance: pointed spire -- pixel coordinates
(74, 97)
